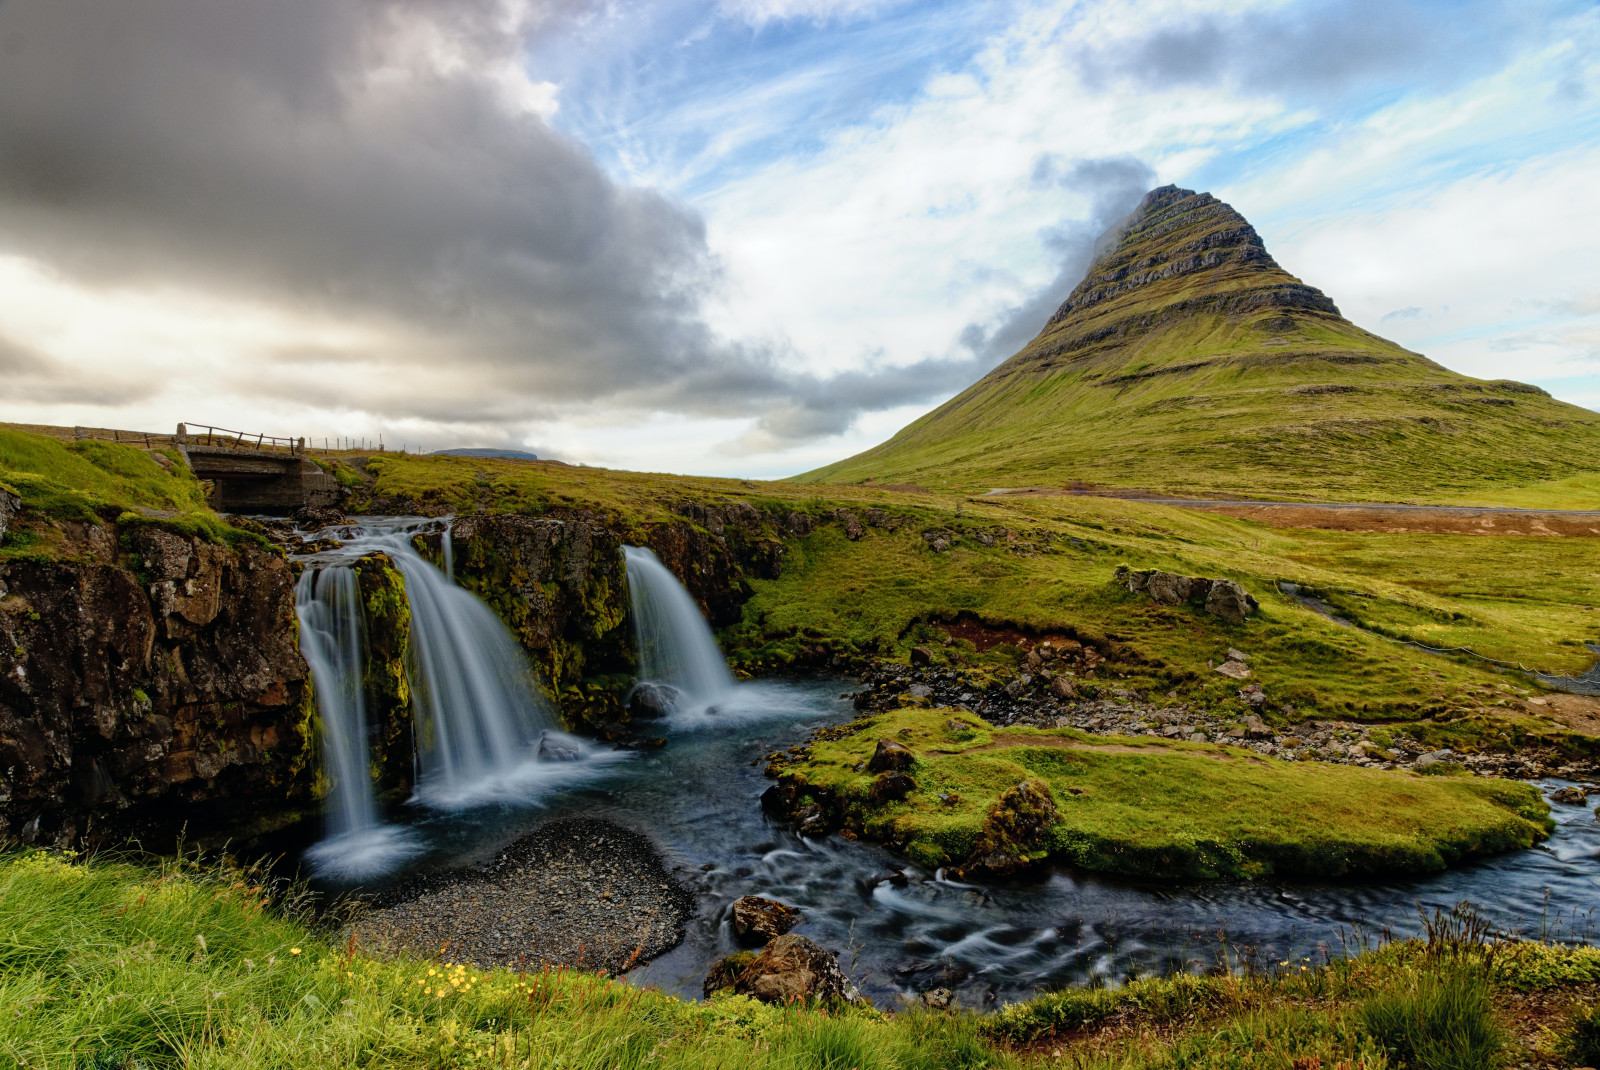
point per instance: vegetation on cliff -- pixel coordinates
(115, 965)
(1188, 361)
(997, 800)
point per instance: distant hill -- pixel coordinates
(486, 451)
(1188, 361)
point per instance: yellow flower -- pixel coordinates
(294, 951)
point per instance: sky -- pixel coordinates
(741, 237)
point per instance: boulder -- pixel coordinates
(10, 506)
(1015, 830)
(938, 541)
(1253, 695)
(1236, 670)
(724, 972)
(792, 969)
(1171, 589)
(552, 748)
(648, 700)
(757, 920)
(852, 526)
(1433, 757)
(1569, 796)
(799, 525)
(1228, 600)
(921, 655)
(890, 757)
(891, 787)
(1063, 688)
(1256, 728)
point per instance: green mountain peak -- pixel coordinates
(1188, 361)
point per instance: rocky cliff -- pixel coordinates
(149, 678)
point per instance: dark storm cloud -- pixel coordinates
(1320, 47)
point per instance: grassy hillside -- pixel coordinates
(1189, 362)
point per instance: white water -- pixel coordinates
(676, 647)
(328, 603)
(479, 720)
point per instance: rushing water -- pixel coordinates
(697, 797)
(676, 648)
(482, 729)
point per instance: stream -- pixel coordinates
(697, 797)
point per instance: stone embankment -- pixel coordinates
(1046, 697)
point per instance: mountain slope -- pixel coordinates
(1188, 361)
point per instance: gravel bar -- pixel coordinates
(582, 893)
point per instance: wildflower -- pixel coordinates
(294, 951)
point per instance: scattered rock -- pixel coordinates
(938, 541)
(1230, 601)
(890, 757)
(757, 920)
(1433, 757)
(1256, 728)
(1236, 670)
(892, 787)
(852, 526)
(10, 506)
(649, 700)
(799, 525)
(792, 969)
(724, 972)
(552, 748)
(938, 999)
(1234, 655)
(1253, 695)
(1568, 796)
(921, 655)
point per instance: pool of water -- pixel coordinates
(697, 796)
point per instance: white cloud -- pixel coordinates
(760, 12)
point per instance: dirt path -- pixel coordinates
(1366, 517)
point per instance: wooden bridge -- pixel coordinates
(257, 474)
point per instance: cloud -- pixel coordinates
(387, 163)
(1320, 47)
(829, 406)
(32, 377)
(1114, 186)
(760, 12)
(1399, 315)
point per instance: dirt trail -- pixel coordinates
(1365, 517)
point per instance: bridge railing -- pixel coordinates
(206, 435)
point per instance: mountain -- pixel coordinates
(1188, 361)
(486, 451)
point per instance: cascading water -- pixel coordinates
(676, 648)
(481, 729)
(328, 603)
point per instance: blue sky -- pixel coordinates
(832, 214)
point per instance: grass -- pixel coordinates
(1443, 1022)
(1153, 388)
(107, 964)
(1164, 810)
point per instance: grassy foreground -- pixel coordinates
(1165, 810)
(110, 965)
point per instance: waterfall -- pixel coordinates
(481, 728)
(328, 604)
(676, 648)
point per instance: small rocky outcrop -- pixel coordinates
(10, 506)
(792, 969)
(891, 787)
(852, 524)
(1223, 598)
(1569, 796)
(757, 920)
(890, 756)
(1016, 830)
